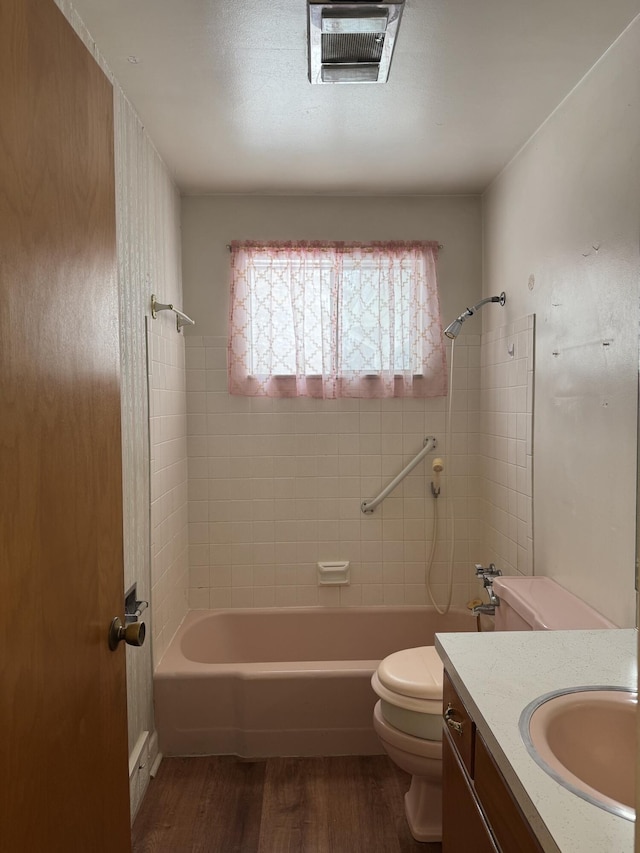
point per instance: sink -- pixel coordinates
(585, 738)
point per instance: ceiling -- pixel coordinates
(221, 87)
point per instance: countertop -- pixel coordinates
(497, 675)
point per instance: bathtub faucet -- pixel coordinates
(485, 609)
(487, 576)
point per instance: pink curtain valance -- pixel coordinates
(336, 319)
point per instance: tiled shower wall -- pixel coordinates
(276, 485)
(506, 446)
(168, 436)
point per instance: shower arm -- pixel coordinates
(453, 329)
(469, 312)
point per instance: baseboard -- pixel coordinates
(155, 756)
(139, 773)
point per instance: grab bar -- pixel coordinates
(181, 317)
(430, 443)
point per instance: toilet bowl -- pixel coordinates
(423, 760)
(408, 715)
(408, 720)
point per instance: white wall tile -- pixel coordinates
(507, 488)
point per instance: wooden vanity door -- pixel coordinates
(464, 828)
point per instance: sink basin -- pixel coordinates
(585, 738)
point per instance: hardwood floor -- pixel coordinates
(222, 804)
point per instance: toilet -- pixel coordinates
(408, 715)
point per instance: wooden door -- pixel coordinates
(63, 737)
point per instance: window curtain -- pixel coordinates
(333, 320)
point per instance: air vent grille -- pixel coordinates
(352, 42)
(352, 47)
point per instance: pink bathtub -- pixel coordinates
(276, 682)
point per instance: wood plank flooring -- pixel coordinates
(222, 804)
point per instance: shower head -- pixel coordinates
(453, 329)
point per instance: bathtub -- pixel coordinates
(278, 682)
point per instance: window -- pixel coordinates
(335, 320)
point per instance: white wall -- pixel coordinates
(275, 485)
(209, 223)
(561, 227)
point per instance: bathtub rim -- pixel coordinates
(174, 664)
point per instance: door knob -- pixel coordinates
(133, 634)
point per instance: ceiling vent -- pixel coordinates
(352, 42)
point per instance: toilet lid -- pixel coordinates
(416, 673)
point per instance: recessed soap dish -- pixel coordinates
(333, 574)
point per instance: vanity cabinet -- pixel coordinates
(479, 811)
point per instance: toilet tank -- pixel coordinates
(540, 604)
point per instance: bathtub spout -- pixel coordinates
(488, 609)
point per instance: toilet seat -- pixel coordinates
(409, 684)
(416, 673)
